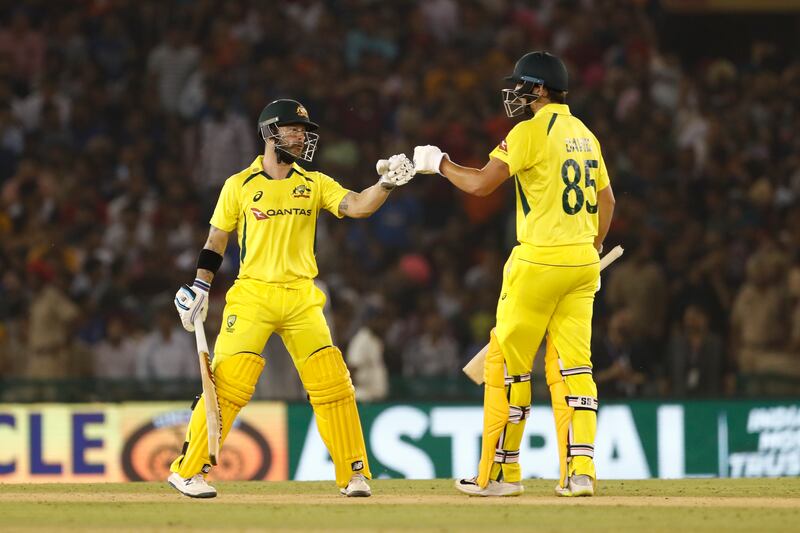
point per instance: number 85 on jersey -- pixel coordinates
(573, 198)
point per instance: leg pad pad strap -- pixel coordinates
(582, 403)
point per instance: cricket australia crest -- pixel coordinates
(301, 191)
(231, 321)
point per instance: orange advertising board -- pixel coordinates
(131, 442)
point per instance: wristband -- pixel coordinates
(209, 260)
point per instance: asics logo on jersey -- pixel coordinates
(301, 191)
(258, 196)
(263, 215)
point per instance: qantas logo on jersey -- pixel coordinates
(259, 214)
(503, 146)
(269, 213)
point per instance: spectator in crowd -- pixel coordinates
(167, 352)
(365, 358)
(12, 344)
(761, 316)
(221, 144)
(638, 284)
(52, 319)
(621, 366)
(695, 357)
(25, 46)
(794, 292)
(170, 64)
(116, 356)
(31, 110)
(434, 353)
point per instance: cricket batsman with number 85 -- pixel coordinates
(273, 205)
(564, 207)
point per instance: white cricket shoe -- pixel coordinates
(194, 487)
(494, 488)
(357, 488)
(578, 485)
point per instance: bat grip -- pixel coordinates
(200, 335)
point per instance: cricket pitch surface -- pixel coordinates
(421, 505)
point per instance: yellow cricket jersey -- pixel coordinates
(276, 220)
(558, 168)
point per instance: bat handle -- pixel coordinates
(200, 335)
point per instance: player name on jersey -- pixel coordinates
(581, 144)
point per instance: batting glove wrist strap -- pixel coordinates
(201, 285)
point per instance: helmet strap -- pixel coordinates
(270, 133)
(284, 157)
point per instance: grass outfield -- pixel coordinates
(675, 505)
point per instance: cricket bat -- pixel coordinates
(213, 415)
(474, 368)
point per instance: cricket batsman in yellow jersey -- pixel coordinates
(273, 206)
(564, 206)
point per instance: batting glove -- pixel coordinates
(428, 159)
(192, 302)
(395, 171)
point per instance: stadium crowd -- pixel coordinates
(119, 121)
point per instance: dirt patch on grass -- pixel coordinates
(334, 499)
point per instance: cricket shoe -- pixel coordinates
(578, 485)
(357, 488)
(494, 488)
(193, 487)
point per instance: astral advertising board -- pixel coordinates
(634, 441)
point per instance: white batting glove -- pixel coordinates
(395, 171)
(191, 302)
(428, 159)
(382, 167)
(401, 169)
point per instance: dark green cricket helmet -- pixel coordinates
(534, 69)
(285, 112)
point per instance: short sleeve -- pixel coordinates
(603, 180)
(514, 150)
(331, 194)
(226, 213)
